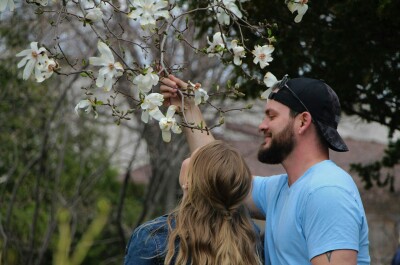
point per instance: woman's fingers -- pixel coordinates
(169, 90)
(165, 81)
(168, 87)
(178, 82)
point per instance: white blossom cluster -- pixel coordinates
(262, 55)
(227, 9)
(36, 60)
(144, 82)
(147, 13)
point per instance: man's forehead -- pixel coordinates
(275, 106)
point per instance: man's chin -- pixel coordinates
(265, 156)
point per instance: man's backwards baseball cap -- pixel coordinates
(317, 98)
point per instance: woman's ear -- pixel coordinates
(183, 181)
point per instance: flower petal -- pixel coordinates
(24, 53)
(108, 83)
(270, 79)
(145, 116)
(28, 69)
(237, 60)
(166, 135)
(265, 94)
(176, 128)
(97, 61)
(105, 52)
(156, 114)
(171, 111)
(23, 62)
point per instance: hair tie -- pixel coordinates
(228, 216)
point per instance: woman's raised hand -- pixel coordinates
(169, 89)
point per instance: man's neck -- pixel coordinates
(297, 163)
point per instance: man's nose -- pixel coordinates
(263, 127)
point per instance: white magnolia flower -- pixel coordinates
(109, 69)
(299, 6)
(94, 14)
(238, 52)
(262, 55)
(269, 81)
(217, 45)
(200, 95)
(46, 67)
(85, 106)
(147, 81)
(147, 12)
(150, 106)
(168, 124)
(34, 58)
(5, 3)
(222, 15)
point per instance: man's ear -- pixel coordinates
(305, 121)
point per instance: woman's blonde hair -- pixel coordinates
(212, 226)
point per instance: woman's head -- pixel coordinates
(211, 223)
(218, 176)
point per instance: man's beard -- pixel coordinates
(281, 146)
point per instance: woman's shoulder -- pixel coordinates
(148, 242)
(153, 226)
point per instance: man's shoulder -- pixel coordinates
(270, 184)
(329, 175)
(273, 178)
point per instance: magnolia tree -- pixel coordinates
(159, 26)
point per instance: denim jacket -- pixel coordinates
(148, 243)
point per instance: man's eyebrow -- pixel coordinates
(269, 111)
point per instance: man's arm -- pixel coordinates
(195, 138)
(332, 221)
(251, 206)
(336, 257)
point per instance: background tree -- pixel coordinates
(52, 160)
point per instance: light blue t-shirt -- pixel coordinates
(320, 212)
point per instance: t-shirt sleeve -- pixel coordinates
(141, 249)
(259, 193)
(332, 220)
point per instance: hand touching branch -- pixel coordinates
(172, 89)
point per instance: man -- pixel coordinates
(314, 214)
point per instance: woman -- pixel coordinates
(210, 225)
